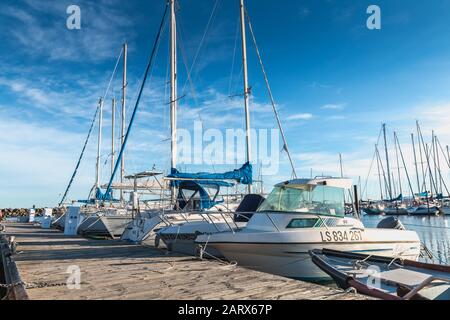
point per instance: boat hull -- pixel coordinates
(181, 238)
(424, 211)
(287, 254)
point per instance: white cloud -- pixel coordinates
(300, 116)
(340, 106)
(103, 30)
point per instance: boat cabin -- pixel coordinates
(319, 196)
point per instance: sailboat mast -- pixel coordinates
(398, 163)
(415, 162)
(122, 129)
(387, 161)
(99, 144)
(379, 173)
(448, 155)
(246, 87)
(421, 157)
(433, 150)
(173, 84)
(113, 133)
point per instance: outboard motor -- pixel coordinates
(391, 223)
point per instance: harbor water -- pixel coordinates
(434, 232)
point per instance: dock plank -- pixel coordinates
(111, 269)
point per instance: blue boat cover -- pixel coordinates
(243, 175)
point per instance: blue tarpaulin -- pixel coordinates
(244, 175)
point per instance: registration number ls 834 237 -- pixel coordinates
(342, 236)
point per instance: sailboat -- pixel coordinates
(302, 215)
(191, 199)
(181, 237)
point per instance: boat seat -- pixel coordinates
(403, 277)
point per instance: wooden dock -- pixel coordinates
(113, 269)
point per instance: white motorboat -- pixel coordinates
(303, 215)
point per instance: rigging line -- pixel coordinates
(440, 177)
(113, 74)
(443, 153)
(234, 57)
(149, 65)
(427, 156)
(212, 17)
(404, 164)
(382, 170)
(90, 132)
(370, 169)
(189, 79)
(367, 178)
(80, 158)
(269, 90)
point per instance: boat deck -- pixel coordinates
(113, 269)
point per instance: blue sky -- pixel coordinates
(334, 81)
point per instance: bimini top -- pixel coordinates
(343, 183)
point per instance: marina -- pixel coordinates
(166, 186)
(115, 270)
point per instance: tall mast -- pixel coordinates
(427, 155)
(173, 84)
(438, 164)
(433, 150)
(448, 155)
(415, 163)
(421, 157)
(398, 163)
(379, 173)
(124, 103)
(113, 133)
(246, 88)
(387, 161)
(99, 144)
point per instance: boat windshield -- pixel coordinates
(321, 200)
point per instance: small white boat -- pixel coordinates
(303, 215)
